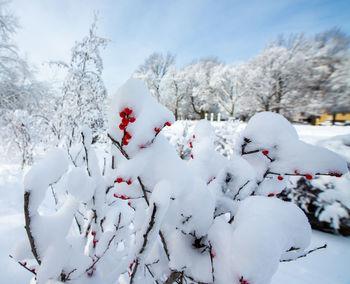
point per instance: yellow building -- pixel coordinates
(339, 117)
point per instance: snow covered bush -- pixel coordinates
(151, 217)
(325, 200)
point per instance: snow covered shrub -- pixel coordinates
(151, 217)
(325, 200)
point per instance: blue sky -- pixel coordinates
(190, 29)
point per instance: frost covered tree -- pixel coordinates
(22, 97)
(150, 217)
(200, 94)
(84, 92)
(229, 83)
(153, 70)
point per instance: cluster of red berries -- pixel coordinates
(126, 119)
(94, 241)
(191, 146)
(31, 270)
(122, 197)
(157, 129)
(334, 174)
(120, 180)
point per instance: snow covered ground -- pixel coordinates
(325, 266)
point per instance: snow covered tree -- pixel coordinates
(21, 96)
(153, 70)
(229, 83)
(151, 217)
(84, 92)
(200, 94)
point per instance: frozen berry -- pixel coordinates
(191, 156)
(296, 172)
(122, 126)
(122, 197)
(119, 180)
(115, 195)
(191, 145)
(125, 142)
(338, 175)
(132, 119)
(129, 203)
(212, 255)
(127, 136)
(307, 176)
(265, 152)
(168, 123)
(93, 233)
(194, 136)
(122, 114)
(156, 129)
(128, 182)
(271, 195)
(280, 178)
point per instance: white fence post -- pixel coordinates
(219, 117)
(212, 117)
(206, 116)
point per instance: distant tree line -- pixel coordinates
(292, 76)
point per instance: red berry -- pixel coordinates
(129, 203)
(168, 123)
(280, 178)
(32, 270)
(271, 195)
(128, 182)
(212, 255)
(90, 273)
(132, 119)
(296, 172)
(307, 176)
(194, 136)
(122, 126)
(128, 111)
(191, 156)
(125, 121)
(95, 242)
(265, 152)
(122, 114)
(93, 233)
(24, 263)
(125, 142)
(156, 129)
(191, 145)
(127, 136)
(122, 197)
(119, 180)
(338, 175)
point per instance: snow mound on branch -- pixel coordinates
(149, 115)
(80, 185)
(273, 134)
(266, 128)
(41, 175)
(264, 229)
